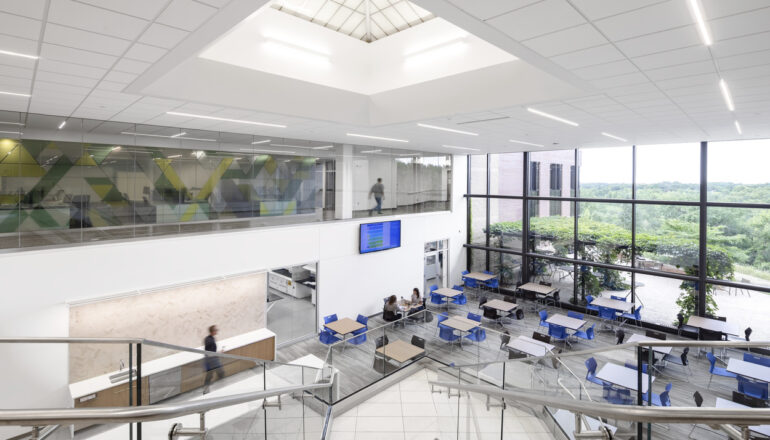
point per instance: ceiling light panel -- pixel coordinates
(532, 144)
(614, 137)
(17, 54)
(726, 95)
(550, 116)
(451, 130)
(216, 118)
(366, 136)
(700, 22)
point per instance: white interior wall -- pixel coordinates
(38, 283)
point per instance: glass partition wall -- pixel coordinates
(65, 181)
(635, 222)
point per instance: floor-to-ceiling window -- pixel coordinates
(637, 221)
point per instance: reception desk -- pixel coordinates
(171, 375)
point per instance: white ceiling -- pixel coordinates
(645, 74)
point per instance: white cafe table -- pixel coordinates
(639, 338)
(749, 369)
(532, 347)
(622, 376)
(759, 429)
(615, 304)
(566, 321)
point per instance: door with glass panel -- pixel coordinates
(436, 270)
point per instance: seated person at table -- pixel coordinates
(416, 301)
(391, 312)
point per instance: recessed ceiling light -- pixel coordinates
(524, 143)
(460, 148)
(268, 151)
(215, 118)
(260, 142)
(376, 137)
(290, 146)
(451, 130)
(11, 123)
(325, 147)
(178, 134)
(726, 95)
(63, 123)
(175, 156)
(699, 20)
(23, 95)
(614, 137)
(738, 127)
(10, 132)
(17, 54)
(372, 151)
(550, 116)
(167, 137)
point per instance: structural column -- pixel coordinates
(343, 183)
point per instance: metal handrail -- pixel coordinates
(644, 414)
(149, 342)
(138, 414)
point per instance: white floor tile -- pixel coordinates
(380, 424)
(379, 410)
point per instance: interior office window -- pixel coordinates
(556, 179)
(572, 187)
(534, 188)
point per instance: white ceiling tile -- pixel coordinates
(49, 65)
(687, 81)
(111, 86)
(13, 83)
(120, 77)
(215, 3)
(65, 79)
(78, 39)
(185, 14)
(538, 19)
(596, 9)
(68, 54)
(13, 103)
(162, 36)
(566, 41)
(28, 8)
(143, 52)
(589, 57)
(741, 24)
(654, 18)
(131, 66)
(607, 70)
(21, 45)
(41, 86)
(719, 8)
(684, 70)
(16, 72)
(90, 18)
(673, 57)
(146, 9)
(660, 42)
(22, 27)
(484, 10)
(25, 63)
(744, 60)
(621, 80)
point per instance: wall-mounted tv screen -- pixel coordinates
(380, 236)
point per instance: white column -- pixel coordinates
(343, 194)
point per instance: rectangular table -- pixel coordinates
(532, 347)
(566, 321)
(713, 325)
(749, 369)
(461, 324)
(344, 326)
(622, 306)
(480, 276)
(639, 338)
(538, 289)
(503, 306)
(759, 429)
(447, 293)
(622, 376)
(400, 351)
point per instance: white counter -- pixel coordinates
(100, 383)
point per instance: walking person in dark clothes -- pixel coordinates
(213, 364)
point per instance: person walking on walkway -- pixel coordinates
(213, 364)
(378, 191)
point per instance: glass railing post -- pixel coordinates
(649, 388)
(639, 398)
(130, 386)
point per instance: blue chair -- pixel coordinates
(460, 300)
(456, 287)
(330, 318)
(636, 316)
(447, 334)
(575, 315)
(632, 366)
(587, 335)
(477, 334)
(493, 283)
(360, 339)
(465, 272)
(474, 317)
(607, 314)
(471, 283)
(433, 287)
(752, 388)
(618, 298)
(661, 399)
(589, 307)
(748, 357)
(488, 272)
(543, 317)
(437, 299)
(557, 332)
(591, 374)
(327, 337)
(617, 396)
(365, 321)
(717, 371)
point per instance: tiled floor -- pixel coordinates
(290, 318)
(409, 411)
